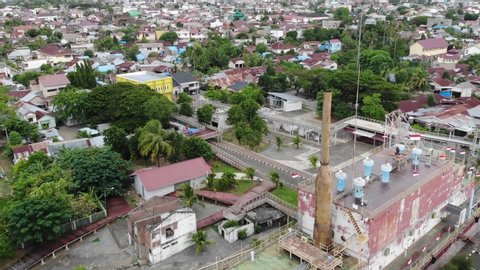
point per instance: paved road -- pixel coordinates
(262, 164)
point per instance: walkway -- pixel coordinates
(236, 201)
(116, 208)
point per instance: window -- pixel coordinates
(169, 232)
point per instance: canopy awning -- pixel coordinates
(364, 133)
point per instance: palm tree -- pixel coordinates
(188, 196)
(210, 182)
(275, 177)
(250, 172)
(279, 142)
(153, 142)
(313, 161)
(201, 241)
(419, 80)
(297, 141)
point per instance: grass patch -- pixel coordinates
(220, 166)
(243, 186)
(131, 198)
(287, 194)
(5, 188)
(96, 240)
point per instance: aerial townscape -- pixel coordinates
(238, 134)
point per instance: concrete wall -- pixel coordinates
(231, 234)
(289, 106)
(196, 183)
(183, 226)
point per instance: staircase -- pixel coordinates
(361, 237)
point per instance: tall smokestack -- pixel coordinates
(322, 232)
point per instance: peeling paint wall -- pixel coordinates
(398, 227)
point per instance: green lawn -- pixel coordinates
(242, 187)
(220, 166)
(287, 194)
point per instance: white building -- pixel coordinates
(161, 181)
(284, 102)
(472, 50)
(160, 228)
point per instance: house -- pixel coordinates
(475, 49)
(236, 63)
(447, 61)
(284, 101)
(440, 84)
(464, 89)
(429, 47)
(280, 48)
(185, 83)
(35, 115)
(335, 46)
(55, 54)
(19, 54)
(159, 82)
(50, 85)
(160, 228)
(439, 23)
(160, 181)
(331, 24)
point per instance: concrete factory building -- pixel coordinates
(397, 196)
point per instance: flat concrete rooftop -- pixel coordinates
(142, 76)
(378, 195)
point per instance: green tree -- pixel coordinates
(117, 138)
(261, 48)
(279, 142)
(184, 98)
(194, 147)
(459, 262)
(186, 109)
(97, 168)
(431, 100)
(188, 196)
(131, 53)
(342, 14)
(153, 142)
(36, 220)
(25, 77)
(419, 80)
(89, 53)
(210, 182)
(372, 107)
(169, 36)
(470, 17)
(292, 35)
(296, 141)
(200, 240)
(205, 113)
(14, 138)
(250, 172)
(275, 177)
(420, 20)
(84, 76)
(83, 205)
(160, 108)
(70, 104)
(313, 161)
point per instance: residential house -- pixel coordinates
(429, 47)
(236, 63)
(284, 101)
(331, 24)
(35, 115)
(475, 49)
(440, 84)
(160, 228)
(55, 54)
(147, 48)
(447, 61)
(184, 82)
(50, 85)
(464, 89)
(280, 48)
(161, 181)
(161, 83)
(335, 46)
(439, 23)
(277, 33)
(20, 54)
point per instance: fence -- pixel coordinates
(424, 261)
(245, 253)
(82, 222)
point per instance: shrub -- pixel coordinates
(230, 224)
(242, 234)
(257, 229)
(256, 242)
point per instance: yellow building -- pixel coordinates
(161, 83)
(429, 47)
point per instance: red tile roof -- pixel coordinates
(54, 80)
(53, 49)
(155, 178)
(417, 103)
(442, 82)
(433, 43)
